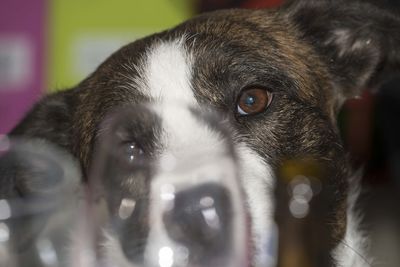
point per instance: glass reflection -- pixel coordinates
(5, 210)
(47, 252)
(126, 208)
(38, 207)
(146, 205)
(4, 233)
(181, 205)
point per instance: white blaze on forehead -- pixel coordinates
(168, 72)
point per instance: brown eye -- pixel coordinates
(253, 100)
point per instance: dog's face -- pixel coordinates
(276, 80)
(278, 106)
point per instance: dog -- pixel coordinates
(277, 79)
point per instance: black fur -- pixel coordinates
(359, 42)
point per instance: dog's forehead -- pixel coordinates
(218, 53)
(208, 60)
(165, 72)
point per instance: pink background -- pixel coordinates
(26, 20)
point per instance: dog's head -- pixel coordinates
(276, 79)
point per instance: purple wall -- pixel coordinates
(22, 58)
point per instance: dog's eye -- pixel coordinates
(132, 152)
(253, 100)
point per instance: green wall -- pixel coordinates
(83, 32)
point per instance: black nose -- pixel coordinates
(201, 219)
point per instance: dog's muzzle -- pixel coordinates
(195, 206)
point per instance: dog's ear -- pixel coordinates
(37, 167)
(50, 119)
(358, 41)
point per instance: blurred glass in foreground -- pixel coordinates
(39, 192)
(142, 206)
(159, 198)
(172, 201)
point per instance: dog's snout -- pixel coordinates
(201, 217)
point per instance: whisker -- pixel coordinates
(364, 258)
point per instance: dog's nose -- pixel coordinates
(201, 219)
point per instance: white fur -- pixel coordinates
(352, 251)
(258, 185)
(167, 76)
(167, 72)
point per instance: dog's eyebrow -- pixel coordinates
(236, 71)
(287, 62)
(267, 74)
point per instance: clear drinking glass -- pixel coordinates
(39, 193)
(169, 176)
(162, 190)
